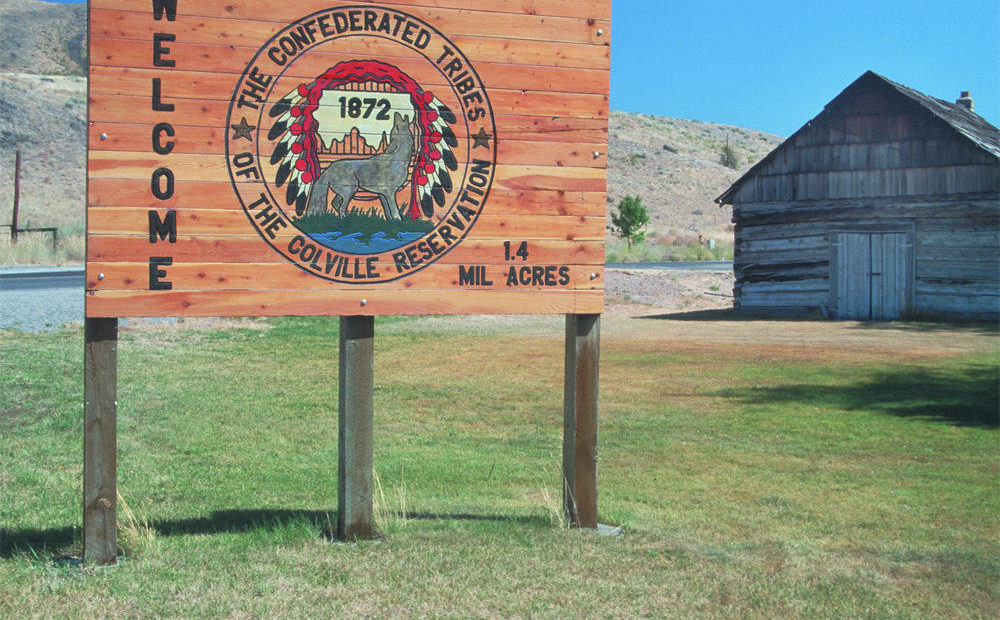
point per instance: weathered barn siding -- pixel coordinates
(876, 166)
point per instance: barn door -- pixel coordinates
(872, 275)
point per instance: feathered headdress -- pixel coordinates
(300, 136)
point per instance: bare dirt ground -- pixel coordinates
(680, 312)
(683, 311)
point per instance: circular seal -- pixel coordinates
(361, 144)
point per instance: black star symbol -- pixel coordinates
(482, 139)
(243, 130)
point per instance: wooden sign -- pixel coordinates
(254, 157)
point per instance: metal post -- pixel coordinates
(17, 196)
(580, 408)
(100, 441)
(356, 412)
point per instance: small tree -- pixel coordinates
(630, 220)
(727, 157)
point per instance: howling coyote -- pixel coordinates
(422, 141)
(383, 174)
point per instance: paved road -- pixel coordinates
(40, 298)
(45, 298)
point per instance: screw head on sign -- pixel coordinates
(364, 302)
(104, 136)
(600, 32)
(100, 276)
(593, 276)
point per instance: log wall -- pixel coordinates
(783, 253)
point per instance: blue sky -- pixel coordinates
(773, 64)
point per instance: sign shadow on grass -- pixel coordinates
(962, 396)
(63, 540)
(733, 315)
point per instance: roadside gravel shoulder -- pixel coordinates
(681, 290)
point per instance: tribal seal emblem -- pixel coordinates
(361, 144)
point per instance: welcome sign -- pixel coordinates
(313, 158)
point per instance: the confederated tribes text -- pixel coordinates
(372, 21)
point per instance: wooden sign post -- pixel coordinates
(100, 440)
(355, 433)
(262, 158)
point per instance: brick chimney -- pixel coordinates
(966, 101)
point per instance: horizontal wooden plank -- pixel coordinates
(131, 25)
(988, 293)
(780, 259)
(804, 286)
(971, 254)
(958, 222)
(966, 271)
(107, 115)
(772, 299)
(750, 244)
(254, 9)
(547, 177)
(795, 271)
(345, 302)
(233, 222)
(967, 304)
(215, 249)
(961, 235)
(952, 205)
(124, 165)
(130, 193)
(223, 59)
(179, 85)
(908, 153)
(818, 230)
(103, 276)
(830, 216)
(136, 138)
(546, 20)
(219, 195)
(902, 182)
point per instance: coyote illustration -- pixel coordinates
(383, 174)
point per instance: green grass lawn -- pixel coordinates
(773, 479)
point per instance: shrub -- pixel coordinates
(728, 158)
(630, 220)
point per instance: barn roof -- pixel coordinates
(965, 122)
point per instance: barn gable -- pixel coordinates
(886, 204)
(918, 144)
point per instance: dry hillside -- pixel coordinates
(672, 164)
(42, 37)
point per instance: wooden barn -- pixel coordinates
(884, 206)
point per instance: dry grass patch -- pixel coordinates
(34, 248)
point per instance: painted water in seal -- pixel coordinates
(354, 243)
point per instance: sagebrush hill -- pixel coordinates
(672, 164)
